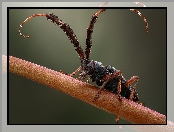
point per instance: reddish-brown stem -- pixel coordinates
(107, 101)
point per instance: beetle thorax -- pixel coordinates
(90, 67)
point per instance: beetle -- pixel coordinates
(108, 77)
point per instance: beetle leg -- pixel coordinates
(107, 78)
(129, 82)
(116, 118)
(75, 72)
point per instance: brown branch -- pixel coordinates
(107, 101)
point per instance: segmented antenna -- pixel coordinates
(26, 20)
(144, 18)
(64, 26)
(89, 33)
(139, 13)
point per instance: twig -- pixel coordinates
(107, 101)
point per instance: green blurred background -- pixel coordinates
(119, 40)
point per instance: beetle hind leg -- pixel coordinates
(129, 82)
(117, 118)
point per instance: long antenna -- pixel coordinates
(134, 10)
(64, 26)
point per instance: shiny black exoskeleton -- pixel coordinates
(97, 72)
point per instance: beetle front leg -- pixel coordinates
(75, 72)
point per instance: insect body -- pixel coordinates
(110, 79)
(107, 77)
